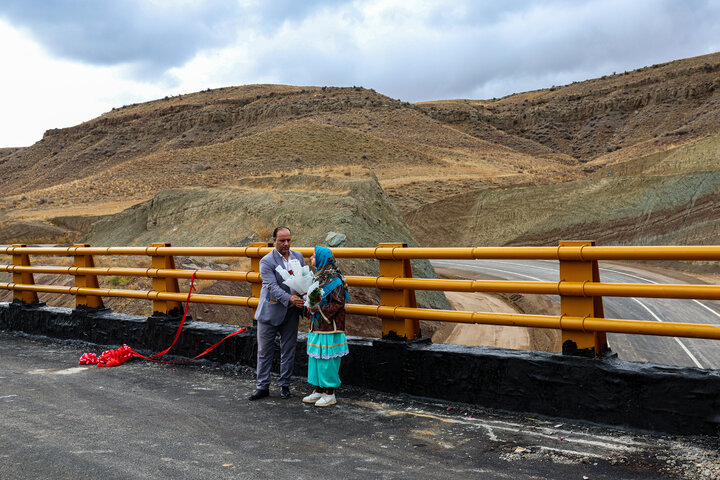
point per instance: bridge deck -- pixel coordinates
(144, 420)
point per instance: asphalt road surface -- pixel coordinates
(687, 352)
(144, 420)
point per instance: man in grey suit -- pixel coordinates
(278, 312)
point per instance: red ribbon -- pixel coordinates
(152, 359)
(118, 356)
(182, 322)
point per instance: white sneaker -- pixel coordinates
(326, 400)
(313, 397)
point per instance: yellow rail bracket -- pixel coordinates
(26, 278)
(165, 284)
(393, 327)
(86, 280)
(573, 268)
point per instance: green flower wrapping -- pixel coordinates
(315, 296)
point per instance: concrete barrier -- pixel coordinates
(606, 391)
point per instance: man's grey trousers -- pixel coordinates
(266, 333)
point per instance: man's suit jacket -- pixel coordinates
(275, 295)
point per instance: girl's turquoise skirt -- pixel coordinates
(324, 353)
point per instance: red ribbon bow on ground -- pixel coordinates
(118, 356)
(109, 358)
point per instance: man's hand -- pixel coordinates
(297, 301)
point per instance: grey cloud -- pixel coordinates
(483, 13)
(459, 49)
(274, 13)
(151, 35)
(132, 31)
(548, 43)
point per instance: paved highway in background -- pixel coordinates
(688, 352)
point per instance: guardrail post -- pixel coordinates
(86, 280)
(405, 328)
(23, 259)
(576, 342)
(165, 284)
(256, 288)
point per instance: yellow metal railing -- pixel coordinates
(581, 320)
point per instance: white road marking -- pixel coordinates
(482, 267)
(569, 453)
(619, 272)
(714, 312)
(550, 269)
(621, 444)
(512, 273)
(70, 371)
(66, 371)
(706, 307)
(682, 345)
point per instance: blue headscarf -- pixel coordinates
(328, 274)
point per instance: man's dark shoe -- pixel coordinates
(285, 392)
(259, 393)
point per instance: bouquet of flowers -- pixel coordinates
(314, 295)
(301, 279)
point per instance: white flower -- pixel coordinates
(298, 278)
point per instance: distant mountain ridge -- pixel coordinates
(639, 112)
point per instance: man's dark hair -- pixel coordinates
(277, 229)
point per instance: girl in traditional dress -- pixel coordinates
(326, 342)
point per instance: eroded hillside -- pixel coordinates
(670, 197)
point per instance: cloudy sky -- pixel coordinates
(63, 62)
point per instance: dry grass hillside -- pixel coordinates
(434, 160)
(220, 137)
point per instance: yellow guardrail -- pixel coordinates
(581, 320)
